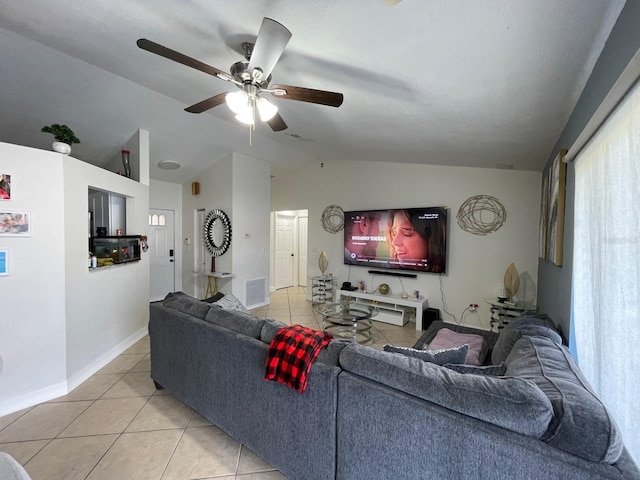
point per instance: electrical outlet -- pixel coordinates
(473, 307)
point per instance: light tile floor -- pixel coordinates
(117, 426)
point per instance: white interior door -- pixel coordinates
(161, 253)
(303, 224)
(284, 239)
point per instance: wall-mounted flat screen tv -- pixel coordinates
(412, 239)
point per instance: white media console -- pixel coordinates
(393, 308)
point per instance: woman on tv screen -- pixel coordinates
(404, 239)
(417, 239)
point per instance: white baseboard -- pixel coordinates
(32, 398)
(103, 360)
(59, 389)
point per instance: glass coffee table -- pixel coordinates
(348, 320)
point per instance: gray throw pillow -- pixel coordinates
(440, 357)
(231, 302)
(492, 370)
(539, 325)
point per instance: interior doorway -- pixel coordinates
(289, 248)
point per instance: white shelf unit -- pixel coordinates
(322, 288)
(393, 308)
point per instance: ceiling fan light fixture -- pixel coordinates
(246, 117)
(238, 102)
(266, 109)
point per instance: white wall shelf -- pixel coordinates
(393, 308)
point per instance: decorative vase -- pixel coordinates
(126, 163)
(61, 147)
(323, 262)
(511, 281)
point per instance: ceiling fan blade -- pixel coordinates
(310, 95)
(272, 38)
(207, 104)
(277, 123)
(165, 52)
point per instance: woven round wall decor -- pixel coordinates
(332, 219)
(481, 214)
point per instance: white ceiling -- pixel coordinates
(478, 83)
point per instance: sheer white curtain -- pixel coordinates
(606, 265)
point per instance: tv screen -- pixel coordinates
(404, 239)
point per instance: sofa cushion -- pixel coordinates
(513, 403)
(187, 304)
(539, 325)
(270, 329)
(495, 370)
(446, 338)
(430, 333)
(444, 355)
(328, 355)
(581, 424)
(240, 322)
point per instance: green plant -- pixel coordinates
(61, 133)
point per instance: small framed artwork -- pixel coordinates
(4, 262)
(5, 186)
(15, 224)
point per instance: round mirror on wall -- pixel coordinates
(217, 232)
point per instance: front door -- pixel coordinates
(161, 253)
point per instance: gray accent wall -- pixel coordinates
(554, 283)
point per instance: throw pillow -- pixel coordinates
(446, 338)
(492, 370)
(539, 325)
(230, 302)
(440, 357)
(215, 298)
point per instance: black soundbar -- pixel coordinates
(393, 274)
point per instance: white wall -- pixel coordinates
(239, 186)
(107, 308)
(61, 322)
(32, 317)
(250, 222)
(138, 146)
(476, 264)
(216, 190)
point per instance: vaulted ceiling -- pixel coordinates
(482, 83)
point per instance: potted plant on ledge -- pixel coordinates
(64, 137)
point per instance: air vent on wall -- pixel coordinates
(255, 292)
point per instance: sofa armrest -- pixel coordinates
(10, 469)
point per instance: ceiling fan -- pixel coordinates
(252, 77)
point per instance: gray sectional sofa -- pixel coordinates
(371, 414)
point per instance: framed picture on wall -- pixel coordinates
(5, 186)
(4, 262)
(15, 224)
(552, 210)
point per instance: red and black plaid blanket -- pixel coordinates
(291, 354)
